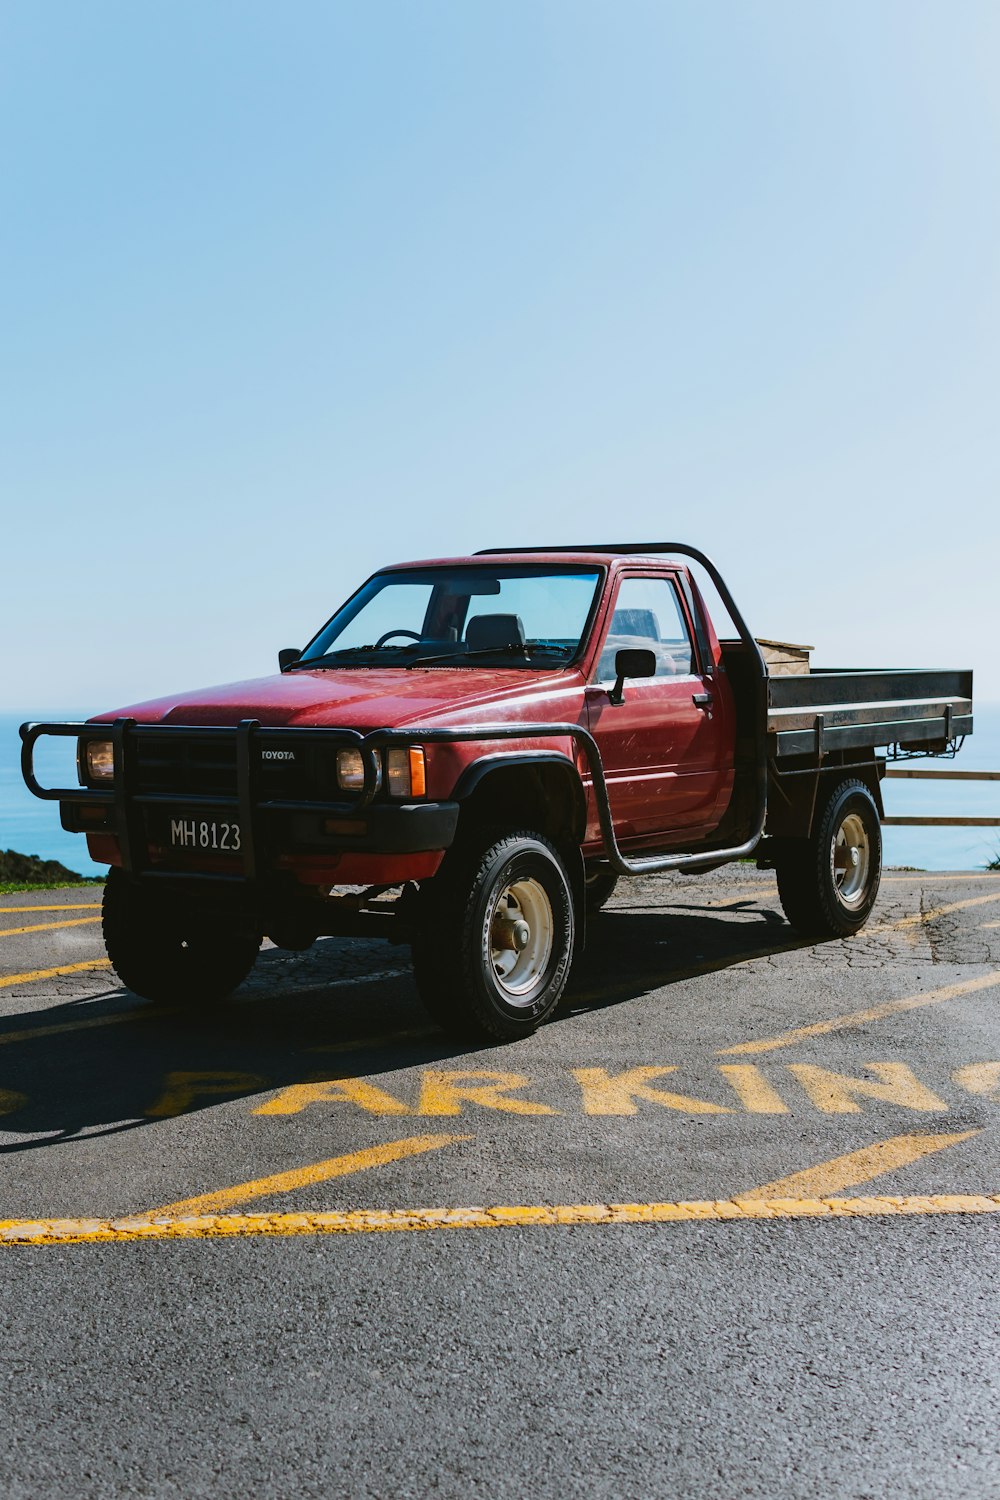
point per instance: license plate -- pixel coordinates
(205, 835)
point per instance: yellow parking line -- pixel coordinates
(320, 1171)
(859, 1017)
(375, 1039)
(380, 1220)
(857, 1166)
(46, 926)
(712, 965)
(919, 918)
(115, 1019)
(33, 975)
(29, 1033)
(63, 906)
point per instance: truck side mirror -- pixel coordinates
(287, 657)
(635, 661)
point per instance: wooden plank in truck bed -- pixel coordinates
(784, 658)
(840, 710)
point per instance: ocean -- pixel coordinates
(32, 827)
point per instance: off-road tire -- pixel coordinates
(812, 898)
(165, 949)
(598, 886)
(453, 948)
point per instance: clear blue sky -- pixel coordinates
(291, 290)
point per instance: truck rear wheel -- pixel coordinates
(167, 950)
(495, 943)
(828, 883)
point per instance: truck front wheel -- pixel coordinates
(165, 949)
(494, 945)
(828, 883)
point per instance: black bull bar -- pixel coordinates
(127, 803)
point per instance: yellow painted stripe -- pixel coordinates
(379, 1220)
(375, 1039)
(790, 945)
(115, 1019)
(320, 1171)
(918, 919)
(61, 906)
(34, 975)
(46, 926)
(857, 1166)
(29, 1033)
(859, 1017)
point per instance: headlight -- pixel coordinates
(350, 770)
(406, 771)
(100, 760)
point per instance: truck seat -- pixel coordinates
(494, 632)
(640, 627)
(640, 622)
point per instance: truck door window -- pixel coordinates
(647, 613)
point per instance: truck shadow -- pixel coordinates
(631, 952)
(109, 1063)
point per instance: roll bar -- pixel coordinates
(654, 863)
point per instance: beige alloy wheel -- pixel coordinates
(493, 951)
(850, 858)
(522, 931)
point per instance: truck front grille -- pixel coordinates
(179, 766)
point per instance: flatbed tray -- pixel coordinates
(834, 709)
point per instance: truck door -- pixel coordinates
(668, 749)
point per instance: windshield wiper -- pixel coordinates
(421, 661)
(333, 657)
(554, 648)
(336, 658)
(511, 650)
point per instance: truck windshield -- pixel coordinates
(516, 616)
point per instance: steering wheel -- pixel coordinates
(390, 633)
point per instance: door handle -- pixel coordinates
(702, 699)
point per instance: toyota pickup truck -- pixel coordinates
(466, 758)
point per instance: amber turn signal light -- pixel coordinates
(418, 771)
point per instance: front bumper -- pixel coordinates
(403, 828)
(129, 820)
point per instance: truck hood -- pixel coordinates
(360, 698)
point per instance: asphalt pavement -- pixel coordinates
(728, 1225)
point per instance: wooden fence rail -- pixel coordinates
(914, 773)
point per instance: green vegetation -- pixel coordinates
(994, 863)
(16, 887)
(26, 872)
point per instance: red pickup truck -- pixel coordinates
(466, 757)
